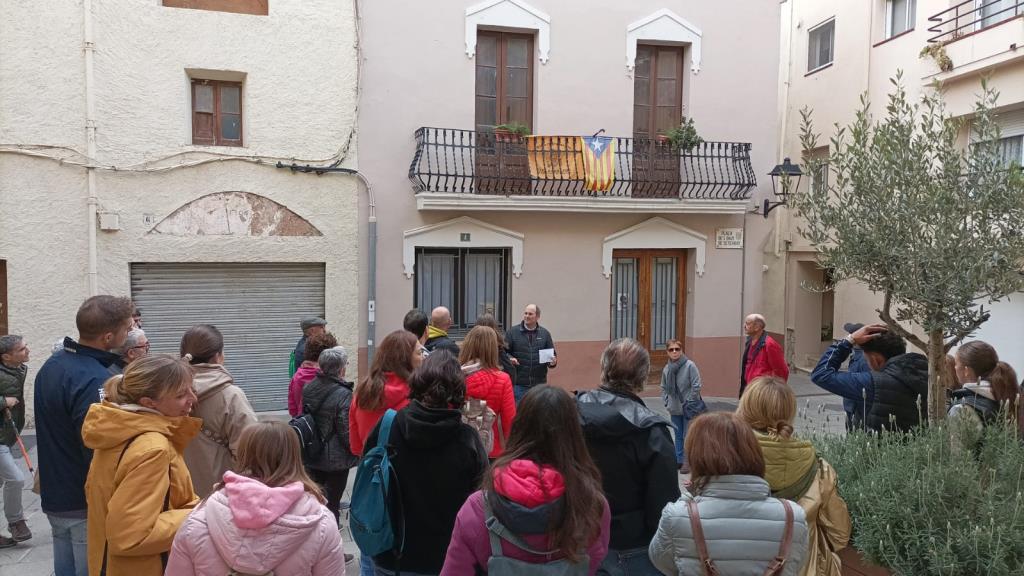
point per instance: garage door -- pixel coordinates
(256, 306)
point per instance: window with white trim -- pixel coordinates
(899, 16)
(467, 281)
(821, 45)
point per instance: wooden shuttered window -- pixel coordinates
(504, 79)
(657, 90)
(216, 113)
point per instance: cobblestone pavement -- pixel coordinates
(819, 412)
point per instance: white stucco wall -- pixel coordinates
(299, 101)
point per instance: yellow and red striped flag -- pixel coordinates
(598, 162)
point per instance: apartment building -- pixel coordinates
(837, 50)
(139, 152)
(520, 152)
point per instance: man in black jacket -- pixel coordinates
(632, 447)
(13, 356)
(525, 343)
(437, 332)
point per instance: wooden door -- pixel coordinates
(648, 299)
(657, 108)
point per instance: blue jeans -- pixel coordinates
(680, 423)
(634, 562)
(520, 391)
(14, 480)
(69, 546)
(366, 565)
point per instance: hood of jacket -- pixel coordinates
(209, 378)
(605, 414)
(435, 332)
(910, 370)
(255, 527)
(425, 427)
(109, 425)
(982, 388)
(786, 462)
(526, 495)
(306, 371)
(737, 487)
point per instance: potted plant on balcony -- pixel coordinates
(684, 137)
(511, 132)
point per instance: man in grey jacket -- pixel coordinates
(680, 391)
(526, 342)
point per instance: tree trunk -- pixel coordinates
(936, 366)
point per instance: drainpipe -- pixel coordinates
(90, 141)
(371, 278)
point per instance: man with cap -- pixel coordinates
(310, 326)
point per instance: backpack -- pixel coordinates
(499, 565)
(480, 418)
(369, 516)
(310, 440)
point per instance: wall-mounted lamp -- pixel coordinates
(782, 176)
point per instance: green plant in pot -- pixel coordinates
(511, 132)
(684, 137)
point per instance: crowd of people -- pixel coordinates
(154, 464)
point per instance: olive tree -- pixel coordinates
(925, 212)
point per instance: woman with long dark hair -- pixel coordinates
(988, 387)
(544, 492)
(223, 407)
(386, 386)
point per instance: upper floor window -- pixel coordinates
(504, 79)
(1012, 150)
(216, 113)
(996, 11)
(657, 90)
(899, 16)
(821, 45)
(256, 7)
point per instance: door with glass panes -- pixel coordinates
(648, 299)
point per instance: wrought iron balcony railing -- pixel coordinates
(479, 163)
(972, 16)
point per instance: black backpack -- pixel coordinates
(311, 441)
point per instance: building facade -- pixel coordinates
(833, 52)
(481, 220)
(139, 151)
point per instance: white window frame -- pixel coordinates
(910, 19)
(810, 32)
(998, 19)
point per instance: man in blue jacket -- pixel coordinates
(66, 386)
(854, 386)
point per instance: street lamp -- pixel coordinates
(785, 172)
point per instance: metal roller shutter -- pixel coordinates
(256, 306)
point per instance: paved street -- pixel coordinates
(817, 412)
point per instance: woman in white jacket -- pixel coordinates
(740, 528)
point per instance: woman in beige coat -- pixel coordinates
(795, 472)
(223, 407)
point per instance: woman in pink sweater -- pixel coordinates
(270, 517)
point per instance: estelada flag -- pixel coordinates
(598, 162)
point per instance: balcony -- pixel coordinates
(970, 17)
(466, 170)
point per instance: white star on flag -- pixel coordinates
(596, 145)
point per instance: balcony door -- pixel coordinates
(648, 299)
(504, 95)
(657, 108)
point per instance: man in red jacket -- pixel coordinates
(762, 355)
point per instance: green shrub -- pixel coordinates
(920, 505)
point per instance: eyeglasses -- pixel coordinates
(146, 346)
(675, 349)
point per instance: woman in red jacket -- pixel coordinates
(386, 386)
(486, 381)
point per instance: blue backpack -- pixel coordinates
(369, 517)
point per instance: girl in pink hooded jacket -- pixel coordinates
(272, 518)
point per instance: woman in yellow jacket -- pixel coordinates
(795, 472)
(139, 490)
